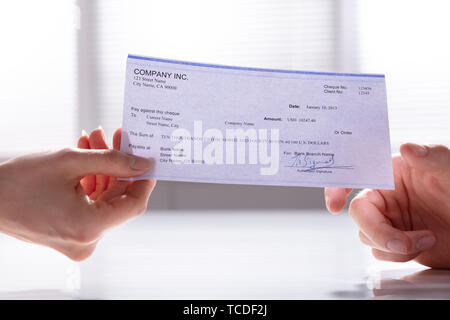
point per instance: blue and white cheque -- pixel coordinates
(222, 124)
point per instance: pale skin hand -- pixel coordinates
(411, 222)
(43, 198)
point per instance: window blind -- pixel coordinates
(408, 41)
(37, 76)
(270, 34)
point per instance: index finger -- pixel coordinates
(88, 182)
(379, 229)
(131, 204)
(336, 198)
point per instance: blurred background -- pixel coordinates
(62, 66)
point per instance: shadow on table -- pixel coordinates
(49, 294)
(390, 284)
(426, 284)
(394, 284)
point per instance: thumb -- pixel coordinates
(432, 158)
(80, 162)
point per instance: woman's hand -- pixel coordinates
(67, 199)
(411, 222)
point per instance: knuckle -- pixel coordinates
(113, 157)
(98, 206)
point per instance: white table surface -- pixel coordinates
(219, 255)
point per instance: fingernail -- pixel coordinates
(138, 163)
(84, 133)
(102, 132)
(397, 245)
(419, 151)
(327, 202)
(425, 243)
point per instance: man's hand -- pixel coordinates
(411, 222)
(67, 199)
